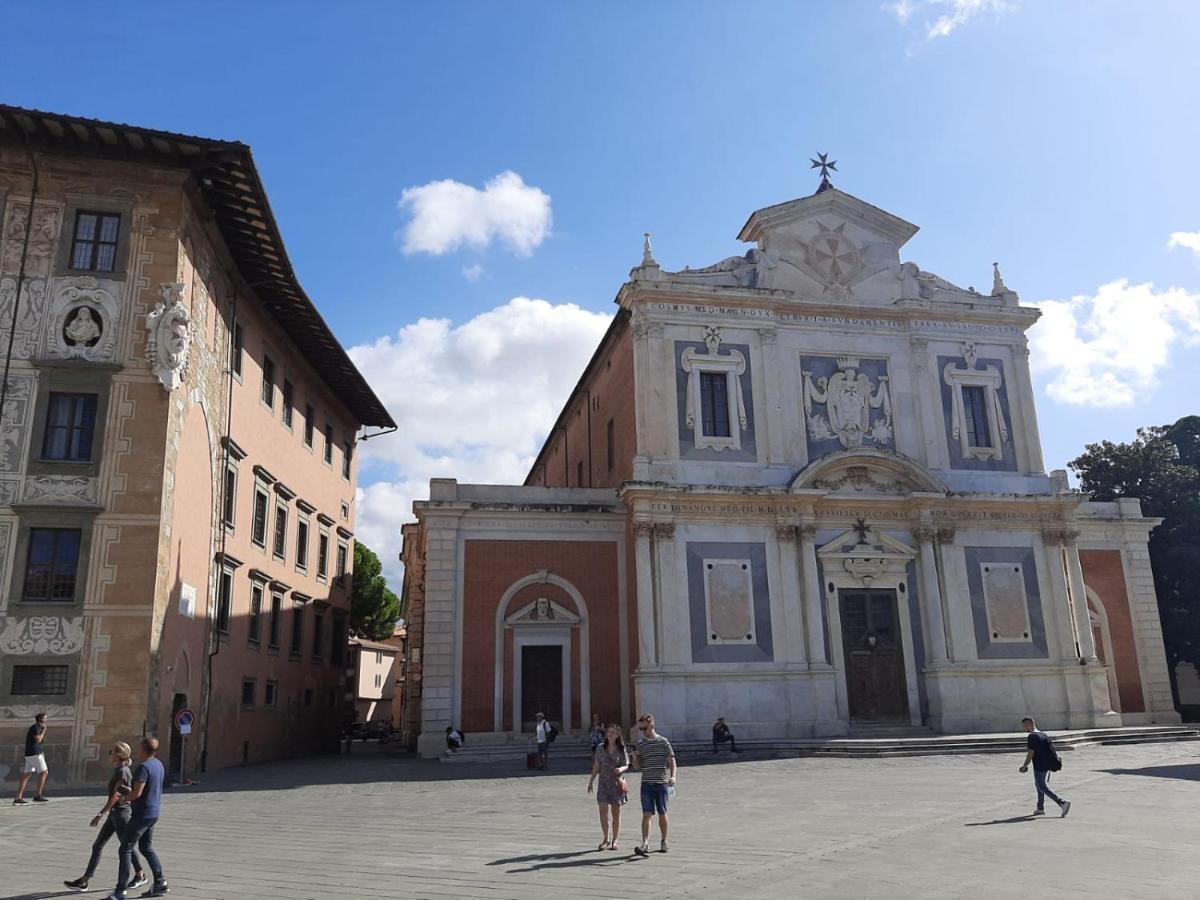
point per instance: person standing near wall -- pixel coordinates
(35, 761)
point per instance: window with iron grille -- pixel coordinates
(94, 248)
(975, 411)
(258, 531)
(328, 444)
(230, 495)
(323, 555)
(239, 348)
(52, 564)
(281, 522)
(341, 562)
(297, 629)
(268, 382)
(347, 459)
(273, 622)
(50, 680)
(302, 543)
(714, 404)
(70, 427)
(256, 598)
(224, 601)
(289, 399)
(310, 424)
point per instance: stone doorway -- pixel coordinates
(175, 757)
(874, 656)
(542, 685)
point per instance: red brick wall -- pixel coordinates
(490, 568)
(605, 395)
(1104, 574)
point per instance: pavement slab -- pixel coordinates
(377, 824)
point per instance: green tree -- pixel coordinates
(1161, 467)
(374, 608)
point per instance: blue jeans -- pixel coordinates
(1043, 789)
(116, 823)
(139, 833)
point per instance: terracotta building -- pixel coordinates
(177, 467)
(801, 488)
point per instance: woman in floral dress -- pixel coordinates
(609, 764)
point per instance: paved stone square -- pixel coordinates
(379, 825)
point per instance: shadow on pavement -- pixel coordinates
(564, 860)
(1013, 820)
(40, 895)
(1183, 773)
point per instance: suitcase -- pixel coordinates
(531, 760)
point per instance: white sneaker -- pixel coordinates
(1066, 808)
(662, 848)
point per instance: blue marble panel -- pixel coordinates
(1024, 557)
(687, 444)
(761, 650)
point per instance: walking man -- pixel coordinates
(35, 761)
(146, 797)
(721, 734)
(656, 758)
(1045, 760)
(116, 815)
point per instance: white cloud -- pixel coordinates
(472, 272)
(1109, 349)
(950, 14)
(446, 215)
(473, 402)
(1189, 240)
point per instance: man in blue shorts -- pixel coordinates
(656, 758)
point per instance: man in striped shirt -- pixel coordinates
(655, 757)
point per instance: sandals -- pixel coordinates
(613, 846)
(604, 845)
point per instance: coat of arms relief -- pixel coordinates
(840, 406)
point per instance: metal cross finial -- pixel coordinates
(861, 528)
(823, 163)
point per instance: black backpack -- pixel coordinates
(551, 732)
(1055, 762)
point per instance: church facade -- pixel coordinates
(802, 489)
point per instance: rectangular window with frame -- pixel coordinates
(258, 530)
(249, 690)
(230, 500)
(297, 629)
(323, 555)
(34, 680)
(271, 697)
(268, 382)
(94, 248)
(341, 563)
(310, 424)
(279, 548)
(70, 427)
(975, 411)
(273, 622)
(347, 459)
(256, 598)
(52, 564)
(239, 348)
(328, 444)
(289, 401)
(224, 601)
(337, 654)
(302, 543)
(318, 636)
(714, 404)
(611, 444)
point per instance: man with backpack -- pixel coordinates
(1045, 759)
(546, 733)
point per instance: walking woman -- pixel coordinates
(118, 813)
(609, 763)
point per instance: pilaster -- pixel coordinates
(791, 597)
(931, 595)
(814, 628)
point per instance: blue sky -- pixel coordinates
(1058, 138)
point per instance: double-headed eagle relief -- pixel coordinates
(848, 398)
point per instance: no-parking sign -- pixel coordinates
(183, 721)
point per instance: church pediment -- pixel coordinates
(866, 555)
(868, 473)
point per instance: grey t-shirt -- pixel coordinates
(121, 781)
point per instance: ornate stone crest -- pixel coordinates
(42, 635)
(848, 399)
(170, 338)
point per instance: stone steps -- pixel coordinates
(922, 743)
